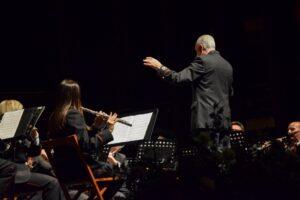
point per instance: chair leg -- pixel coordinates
(65, 191)
(95, 184)
(93, 196)
(77, 195)
(97, 191)
(103, 190)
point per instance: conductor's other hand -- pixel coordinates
(152, 62)
(112, 119)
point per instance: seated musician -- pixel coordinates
(115, 158)
(118, 162)
(29, 146)
(294, 135)
(67, 119)
(237, 126)
(291, 141)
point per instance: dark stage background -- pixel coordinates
(101, 44)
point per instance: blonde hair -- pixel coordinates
(10, 105)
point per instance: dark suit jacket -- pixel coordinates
(211, 80)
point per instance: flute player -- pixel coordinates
(67, 118)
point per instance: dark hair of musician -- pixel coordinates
(68, 98)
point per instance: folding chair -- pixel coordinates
(71, 168)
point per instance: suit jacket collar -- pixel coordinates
(213, 52)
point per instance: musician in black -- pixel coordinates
(118, 162)
(67, 119)
(294, 135)
(41, 185)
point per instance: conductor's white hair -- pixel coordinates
(207, 41)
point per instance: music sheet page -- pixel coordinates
(9, 123)
(124, 133)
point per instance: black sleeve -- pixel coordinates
(194, 71)
(35, 147)
(75, 121)
(3, 146)
(76, 125)
(34, 150)
(105, 136)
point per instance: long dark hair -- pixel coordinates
(68, 98)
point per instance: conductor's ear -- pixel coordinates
(199, 49)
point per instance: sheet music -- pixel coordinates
(123, 133)
(9, 123)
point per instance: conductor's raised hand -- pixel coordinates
(152, 62)
(112, 119)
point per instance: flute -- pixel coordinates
(105, 115)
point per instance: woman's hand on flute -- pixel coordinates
(112, 119)
(102, 117)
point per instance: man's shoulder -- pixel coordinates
(215, 57)
(206, 58)
(198, 60)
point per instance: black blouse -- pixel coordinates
(90, 142)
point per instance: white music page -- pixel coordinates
(9, 123)
(123, 133)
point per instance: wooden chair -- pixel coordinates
(71, 168)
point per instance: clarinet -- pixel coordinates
(122, 121)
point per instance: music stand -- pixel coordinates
(239, 142)
(19, 123)
(160, 153)
(142, 127)
(189, 152)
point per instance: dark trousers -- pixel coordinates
(40, 165)
(46, 187)
(7, 176)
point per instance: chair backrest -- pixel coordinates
(67, 159)
(70, 166)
